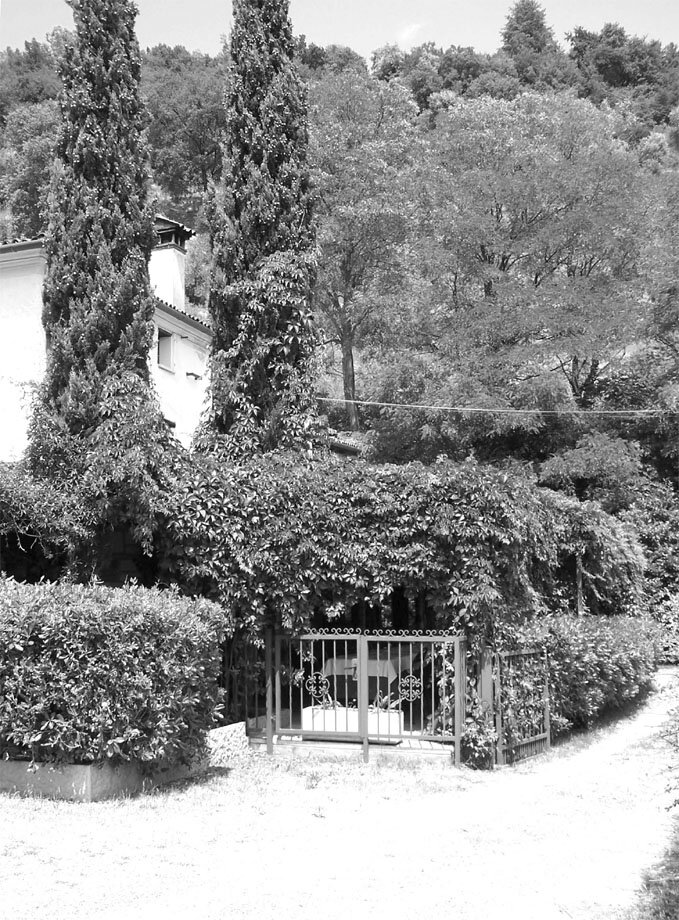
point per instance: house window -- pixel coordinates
(165, 350)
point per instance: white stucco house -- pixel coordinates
(178, 358)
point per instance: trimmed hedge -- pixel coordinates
(89, 673)
(597, 664)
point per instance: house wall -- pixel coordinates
(181, 387)
(22, 341)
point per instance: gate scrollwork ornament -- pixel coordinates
(410, 688)
(318, 685)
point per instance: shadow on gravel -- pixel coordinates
(582, 738)
(585, 736)
(190, 782)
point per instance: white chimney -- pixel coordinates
(167, 266)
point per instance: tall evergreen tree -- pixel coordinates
(263, 241)
(97, 304)
(529, 43)
(526, 30)
(96, 424)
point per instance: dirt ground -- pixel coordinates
(566, 835)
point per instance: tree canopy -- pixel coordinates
(184, 97)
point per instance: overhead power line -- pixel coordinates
(501, 410)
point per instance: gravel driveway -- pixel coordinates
(566, 835)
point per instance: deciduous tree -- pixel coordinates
(27, 76)
(362, 143)
(26, 157)
(620, 67)
(542, 229)
(530, 249)
(184, 94)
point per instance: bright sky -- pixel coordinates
(362, 24)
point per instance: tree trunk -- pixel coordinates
(583, 379)
(422, 610)
(349, 382)
(579, 598)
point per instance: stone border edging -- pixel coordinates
(227, 746)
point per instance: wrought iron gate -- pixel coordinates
(521, 705)
(372, 688)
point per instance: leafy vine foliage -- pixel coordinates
(263, 244)
(280, 541)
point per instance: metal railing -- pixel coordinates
(387, 688)
(372, 688)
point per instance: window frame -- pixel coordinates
(165, 334)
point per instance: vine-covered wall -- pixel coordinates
(283, 542)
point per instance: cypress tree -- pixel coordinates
(96, 427)
(263, 242)
(97, 305)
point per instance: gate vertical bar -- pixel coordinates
(548, 725)
(445, 652)
(268, 652)
(362, 651)
(460, 694)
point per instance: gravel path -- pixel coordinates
(566, 835)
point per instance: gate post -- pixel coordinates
(485, 687)
(487, 698)
(362, 650)
(277, 694)
(500, 757)
(268, 663)
(548, 724)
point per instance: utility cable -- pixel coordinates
(500, 410)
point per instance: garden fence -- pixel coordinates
(521, 704)
(385, 688)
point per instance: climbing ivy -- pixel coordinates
(282, 541)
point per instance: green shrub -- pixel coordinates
(89, 673)
(666, 615)
(479, 738)
(596, 665)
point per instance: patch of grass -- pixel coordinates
(660, 900)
